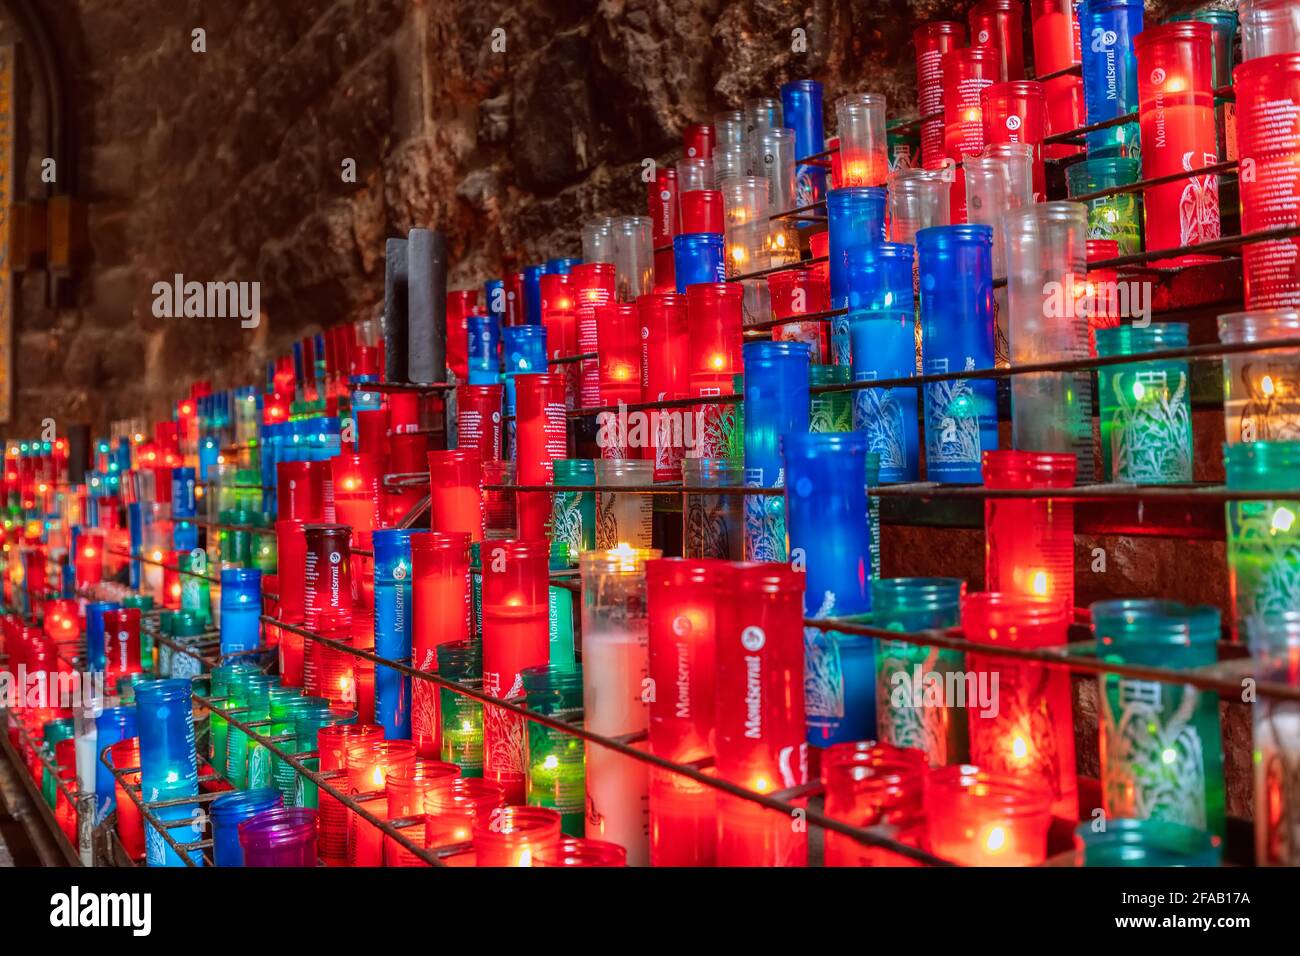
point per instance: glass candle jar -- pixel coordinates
(230, 810)
(327, 579)
(512, 835)
(633, 256)
(578, 852)
(801, 108)
(307, 725)
(760, 726)
(541, 437)
(1027, 731)
(1029, 543)
(860, 119)
(957, 333)
(1176, 112)
(1275, 643)
(776, 405)
(700, 210)
(1055, 32)
(281, 837)
(406, 790)
(905, 672)
(1145, 407)
(515, 636)
(393, 566)
(499, 516)
(478, 418)
(369, 764)
(698, 258)
(664, 370)
(997, 24)
(1261, 389)
(931, 41)
(462, 716)
(1269, 136)
(130, 825)
(284, 720)
(1016, 112)
(623, 518)
(615, 654)
(450, 814)
(166, 723)
(250, 703)
(856, 217)
(241, 609)
(1160, 752)
(618, 342)
(796, 292)
(829, 411)
(556, 767)
(1268, 28)
(1263, 561)
(966, 72)
(121, 641)
(442, 610)
(1046, 268)
(712, 523)
(573, 514)
(874, 785)
(1117, 217)
(981, 818)
(456, 492)
(1146, 843)
(1110, 88)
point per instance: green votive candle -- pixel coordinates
(462, 717)
(573, 513)
(557, 767)
(1144, 407)
(1263, 536)
(251, 702)
(286, 704)
(1160, 746)
(829, 411)
(1117, 217)
(221, 685)
(912, 709)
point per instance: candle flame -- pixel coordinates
(1266, 385)
(1283, 519)
(995, 839)
(1038, 583)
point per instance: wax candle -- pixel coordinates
(356, 480)
(455, 492)
(1176, 114)
(957, 326)
(1016, 112)
(130, 825)
(830, 532)
(121, 647)
(1055, 32)
(714, 314)
(593, 285)
(462, 716)
(451, 813)
(801, 110)
(1161, 756)
(441, 613)
(981, 818)
(556, 774)
(760, 732)
(931, 41)
(167, 758)
(407, 788)
(1274, 638)
(1144, 407)
(829, 411)
(571, 851)
(619, 348)
(369, 764)
(327, 578)
(285, 836)
(1260, 389)
(1029, 543)
(515, 636)
(1107, 30)
(874, 785)
(796, 292)
(911, 707)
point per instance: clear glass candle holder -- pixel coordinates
(712, 524)
(623, 518)
(861, 128)
(1261, 390)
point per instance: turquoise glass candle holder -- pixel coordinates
(573, 513)
(462, 717)
(1263, 537)
(1275, 645)
(1145, 407)
(830, 411)
(557, 774)
(1117, 217)
(1161, 756)
(1145, 843)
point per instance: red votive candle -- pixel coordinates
(701, 211)
(664, 376)
(403, 412)
(300, 489)
(618, 345)
(698, 141)
(121, 643)
(681, 608)
(88, 564)
(1104, 311)
(1176, 115)
(1268, 135)
(872, 784)
(333, 741)
(515, 636)
(356, 478)
(541, 436)
(593, 285)
(130, 825)
(478, 419)
(291, 567)
(715, 313)
(456, 492)
(966, 72)
(512, 835)
(370, 762)
(996, 24)
(459, 305)
(372, 434)
(576, 851)
(1016, 112)
(407, 790)
(406, 456)
(441, 613)
(1056, 48)
(979, 818)
(1029, 734)
(450, 813)
(327, 578)
(759, 710)
(797, 292)
(932, 40)
(171, 580)
(1029, 542)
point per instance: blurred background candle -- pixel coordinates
(1029, 543)
(615, 655)
(829, 526)
(130, 825)
(882, 333)
(571, 851)
(455, 492)
(680, 606)
(1161, 756)
(1117, 217)
(122, 642)
(1261, 389)
(462, 716)
(440, 595)
(1274, 638)
(623, 518)
(593, 284)
(957, 328)
(1269, 144)
(619, 348)
(510, 836)
(760, 732)
(931, 41)
(1268, 27)
(1145, 843)
(1263, 560)
(1055, 32)
(1047, 268)
(861, 129)
(241, 609)
(1144, 407)
(776, 404)
(1107, 30)
(515, 636)
(905, 671)
(1176, 113)
(981, 818)
(556, 776)
(874, 785)
(1030, 732)
(393, 610)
